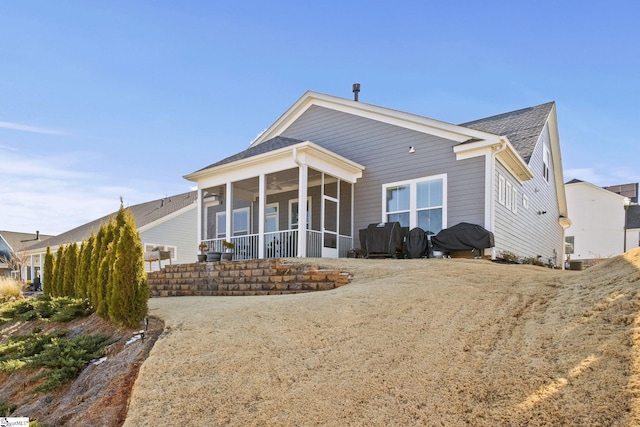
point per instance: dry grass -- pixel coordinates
(408, 342)
(9, 288)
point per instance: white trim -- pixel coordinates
(276, 160)
(227, 222)
(270, 215)
(413, 210)
(308, 221)
(373, 112)
(501, 189)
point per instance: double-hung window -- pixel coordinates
(416, 203)
(240, 223)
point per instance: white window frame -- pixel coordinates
(268, 215)
(223, 214)
(525, 201)
(501, 186)
(514, 200)
(508, 195)
(413, 210)
(546, 162)
(291, 223)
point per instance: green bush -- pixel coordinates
(61, 309)
(62, 357)
(6, 409)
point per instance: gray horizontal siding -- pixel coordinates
(180, 232)
(526, 233)
(384, 150)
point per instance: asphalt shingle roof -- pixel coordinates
(522, 127)
(270, 145)
(143, 214)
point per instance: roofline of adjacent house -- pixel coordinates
(596, 187)
(170, 216)
(374, 112)
(273, 154)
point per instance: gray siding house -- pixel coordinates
(348, 164)
(165, 223)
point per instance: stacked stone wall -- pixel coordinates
(253, 277)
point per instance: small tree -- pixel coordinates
(47, 274)
(84, 268)
(96, 259)
(129, 295)
(58, 273)
(70, 269)
(102, 300)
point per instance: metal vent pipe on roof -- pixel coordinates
(356, 90)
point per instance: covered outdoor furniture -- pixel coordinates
(383, 240)
(462, 236)
(417, 244)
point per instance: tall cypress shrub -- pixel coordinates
(70, 268)
(96, 259)
(102, 306)
(84, 268)
(58, 273)
(78, 285)
(129, 292)
(47, 274)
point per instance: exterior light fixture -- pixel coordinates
(412, 150)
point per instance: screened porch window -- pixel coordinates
(416, 203)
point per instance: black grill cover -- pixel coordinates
(417, 243)
(383, 239)
(462, 236)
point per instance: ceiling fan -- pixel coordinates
(274, 185)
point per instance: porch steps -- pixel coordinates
(252, 277)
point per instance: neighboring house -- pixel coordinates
(605, 223)
(166, 223)
(13, 254)
(348, 164)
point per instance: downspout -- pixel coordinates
(490, 200)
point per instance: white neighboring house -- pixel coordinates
(167, 224)
(604, 224)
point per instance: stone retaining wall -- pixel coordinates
(254, 277)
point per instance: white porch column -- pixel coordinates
(200, 235)
(262, 198)
(32, 266)
(229, 209)
(303, 177)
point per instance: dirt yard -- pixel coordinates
(408, 342)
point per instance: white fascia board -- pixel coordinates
(278, 160)
(507, 155)
(373, 112)
(510, 158)
(552, 125)
(169, 217)
(260, 163)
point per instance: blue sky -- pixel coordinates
(122, 98)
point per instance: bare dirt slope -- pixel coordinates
(408, 342)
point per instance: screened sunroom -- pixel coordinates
(282, 198)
